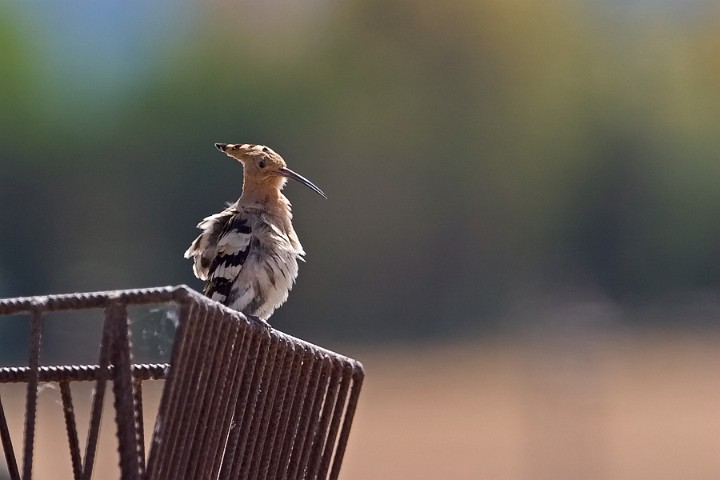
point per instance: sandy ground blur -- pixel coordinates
(619, 407)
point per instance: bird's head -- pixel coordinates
(264, 166)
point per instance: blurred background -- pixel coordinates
(521, 241)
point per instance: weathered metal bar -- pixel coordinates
(139, 418)
(357, 379)
(32, 392)
(71, 428)
(241, 400)
(79, 373)
(97, 402)
(249, 409)
(214, 366)
(301, 452)
(261, 405)
(238, 361)
(129, 446)
(273, 441)
(167, 423)
(217, 400)
(291, 400)
(10, 459)
(246, 382)
(319, 442)
(337, 417)
(192, 382)
(82, 301)
(308, 378)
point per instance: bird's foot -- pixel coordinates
(260, 322)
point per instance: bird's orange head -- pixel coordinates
(264, 168)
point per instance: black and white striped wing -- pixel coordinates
(220, 252)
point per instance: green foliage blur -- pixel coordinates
(477, 155)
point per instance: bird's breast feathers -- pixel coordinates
(247, 259)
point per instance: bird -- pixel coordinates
(248, 253)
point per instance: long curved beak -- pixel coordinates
(286, 172)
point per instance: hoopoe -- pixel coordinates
(248, 253)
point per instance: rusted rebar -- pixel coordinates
(241, 400)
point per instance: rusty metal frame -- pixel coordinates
(241, 400)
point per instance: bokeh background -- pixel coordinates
(521, 240)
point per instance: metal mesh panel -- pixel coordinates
(241, 400)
